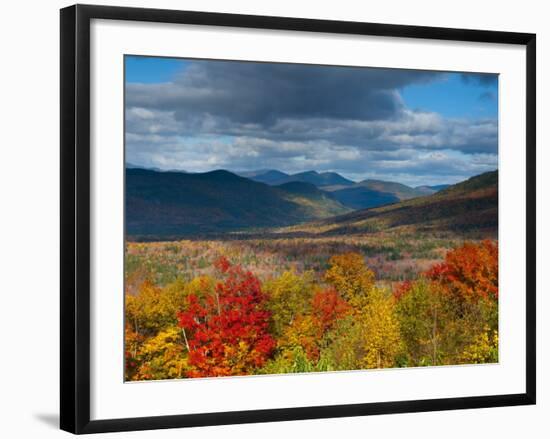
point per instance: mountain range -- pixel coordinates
(471, 205)
(171, 203)
(361, 195)
(320, 179)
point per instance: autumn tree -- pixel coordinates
(420, 310)
(301, 337)
(301, 342)
(381, 331)
(468, 277)
(307, 331)
(227, 331)
(148, 312)
(290, 296)
(351, 277)
(132, 347)
(366, 338)
(153, 308)
(373, 334)
(450, 315)
(162, 356)
(469, 272)
(483, 348)
(200, 286)
(345, 344)
(327, 308)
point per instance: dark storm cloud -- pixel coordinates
(483, 79)
(262, 93)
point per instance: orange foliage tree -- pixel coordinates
(328, 307)
(469, 272)
(307, 331)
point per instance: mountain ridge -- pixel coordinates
(172, 203)
(275, 177)
(467, 206)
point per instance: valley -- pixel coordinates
(399, 240)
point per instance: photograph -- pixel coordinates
(287, 218)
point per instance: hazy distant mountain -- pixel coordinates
(132, 166)
(428, 190)
(319, 179)
(360, 197)
(151, 168)
(176, 203)
(425, 190)
(372, 193)
(268, 176)
(401, 191)
(468, 206)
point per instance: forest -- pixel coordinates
(208, 309)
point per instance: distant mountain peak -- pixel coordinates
(220, 172)
(274, 177)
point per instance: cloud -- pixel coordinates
(262, 93)
(246, 116)
(410, 130)
(482, 79)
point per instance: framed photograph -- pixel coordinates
(268, 219)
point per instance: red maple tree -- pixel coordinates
(328, 307)
(227, 331)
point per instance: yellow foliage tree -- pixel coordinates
(200, 286)
(163, 356)
(351, 277)
(380, 331)
(423, 319)
(289, 297)
(375, 327)
(484, 348)
(151, 334)
(303, 333)
(154, 308)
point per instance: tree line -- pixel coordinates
(231, 323)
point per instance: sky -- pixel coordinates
(410, 126)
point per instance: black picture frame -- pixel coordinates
(75, 217)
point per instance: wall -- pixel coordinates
(30, 204)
